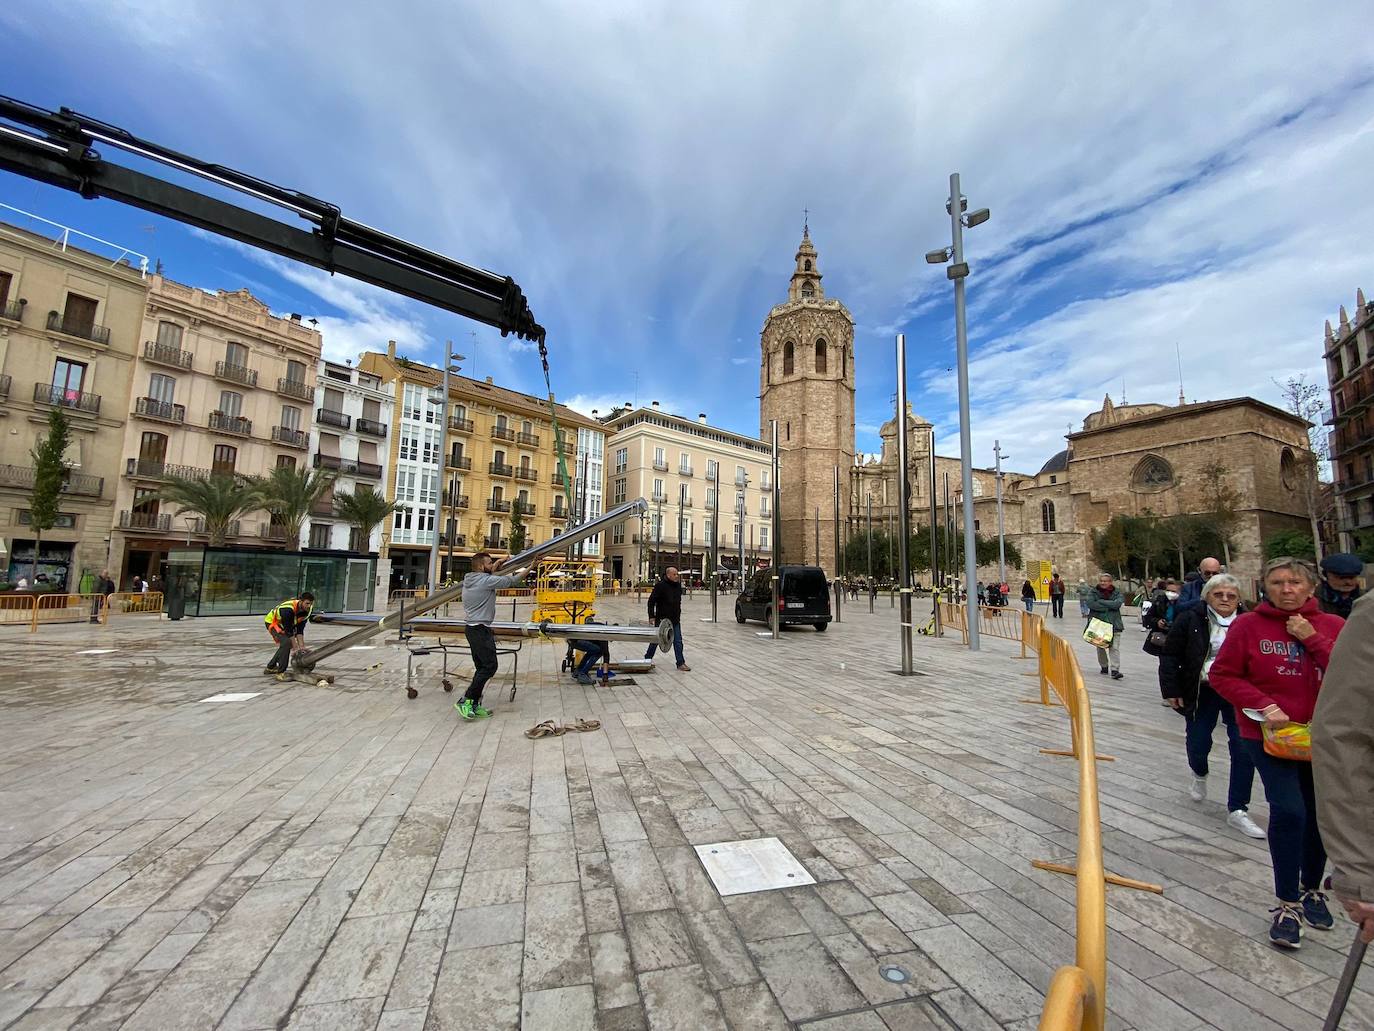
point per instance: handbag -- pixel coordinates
(1154, 642)
(1098, 632)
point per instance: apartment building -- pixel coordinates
(1349, 354)
(220, 386)
(353, 412)
(498, 457)
(71, 309)
(677, 465)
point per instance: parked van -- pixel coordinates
(802, 592)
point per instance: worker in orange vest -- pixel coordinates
(286, 623)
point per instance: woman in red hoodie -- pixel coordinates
(1272, 662)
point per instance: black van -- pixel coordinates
(802, 590)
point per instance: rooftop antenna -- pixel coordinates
(1179, 358)
(473, 334)
(1123, 390)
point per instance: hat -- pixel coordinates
(1343, 564)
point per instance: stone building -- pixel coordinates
(1349, 355)
(806, 383)
(70, 321)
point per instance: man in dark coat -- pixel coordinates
(1340, 584)
(665, 602)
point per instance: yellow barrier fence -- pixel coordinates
(123, 602)
(408, 595)
(36, 609)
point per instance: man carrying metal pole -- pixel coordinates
(479, 610)
(903, 509)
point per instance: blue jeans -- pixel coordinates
(592, 653)
(677, 646)
(1295, 841)
(1029, 603)
(1201, 723)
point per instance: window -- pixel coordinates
(226, 455)
(618, 534)
(161, 388)
(500, 422)
(622, 459)
(1288, 469)
(763, 506)
(145, 501)
(739, 476)
(295, 373)
(290, 417)
(658, 489)
(1053, 478)
(712, 468)
(409, 448)
(788, 361)
(286, 461)
(527, 427)
(169, 335)
(499, 457)
(460, 412)
(319, 535)
(710, 497)
(152, 448)
(412, 400)
(1152, 474)
(807, 265)
(618, 491)
(660, 460)
(820, 357)
(788, 432)
(684, 463)
(230, 403)
(498, 493)
(766, 480)
(763, 536)
(710, 529)
(78, 318)
(430, 455)
(808, 290)
(1047, 516)
(236, 354)
(494, 532)
(737, 535)
(68, 378)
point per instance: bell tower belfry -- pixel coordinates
(806, 383)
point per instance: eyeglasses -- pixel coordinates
(1224, 596)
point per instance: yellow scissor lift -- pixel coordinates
(565, 589)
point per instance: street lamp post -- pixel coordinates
(773, 494)
(839, 584)
(441, 403)
(961, 218)
(934, 555)
(743, 484)
(715, 541)
(870, 554)
(1001, 529)
(903, 510)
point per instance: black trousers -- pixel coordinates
(482, 642)
(1057, 605)
(282, 660)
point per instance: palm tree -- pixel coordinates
(218, 500)
(365, 509)
(289, 494)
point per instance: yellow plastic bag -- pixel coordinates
(1291, 741)
(1098, 633)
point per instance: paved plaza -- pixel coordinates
(342, 858)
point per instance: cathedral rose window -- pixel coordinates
(1153, 473)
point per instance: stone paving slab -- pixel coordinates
(346, 858)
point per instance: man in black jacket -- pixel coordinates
(1340, 584)
(665, 602)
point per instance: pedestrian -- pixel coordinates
(1343, 767)
(1028, 595)
(593, 652)
(286, 626)
(1271, 664)
(1056, 588)
(23, 584)
(1163, 605)
(479, 610)
(1147, 605)
(1194, 640)
(104, 587)
(982, 593)
(1190, 596)
(1104, 603)
(1083, 591)
(1340, 584)
(665, 602)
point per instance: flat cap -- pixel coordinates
(1343, 564)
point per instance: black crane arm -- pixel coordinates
(60, 149)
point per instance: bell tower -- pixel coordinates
(806, 383)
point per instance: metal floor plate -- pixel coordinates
(756, 864)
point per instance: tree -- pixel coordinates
(1183, 532)
(1223, 503)
(218, 500)
(49, 477)
(1306, 401)
(1110, 547)
(517, 529)
(364, 510)
(290, 493)
(1294, 543)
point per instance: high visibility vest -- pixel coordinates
(273, 618)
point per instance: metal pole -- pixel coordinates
(891, 595)
(658, 532)
(639, 560)
(934, 555)
(965, 421)
(715, 541)
(681, 500)
(582, 510)
(870, 554)
(903, 508)
(439, 470)
(818, 534)
(947, 565)
(740, 504)
(839, 584)
(1001, 532)
(773, 425)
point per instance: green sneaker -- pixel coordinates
(464, 707)
(480, 713)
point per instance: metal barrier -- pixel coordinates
(122, 602)
(407, 594)
(17, 609)
(35, 609)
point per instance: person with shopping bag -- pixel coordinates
(1270, 667)
(1105, 625)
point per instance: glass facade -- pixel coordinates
(242, 582)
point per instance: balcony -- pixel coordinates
(502, 433)
(558, 512)
(160, 411)
(459, 425)
(462, 462)
(323, 508)
(685, 470)
(500, 469)
(274, 532)
(47, 394)
(499, 543)
(524, 472)
(58, 323)
(77, 484)
(527, 439)
(497, 505)
(524, 508)
(348, 466)
(297, 388)
(148, 469)
(12, 311)
(370, 426)
(453, 540)
(291, 438)
(235, 425)
(557, 480)
(328, 417)
(659, 499)
(148, 522)
(661, 466)
(166, 354)
(712, 474)
(456, 502)
(236, 374)
(233, 529)
(4, 387)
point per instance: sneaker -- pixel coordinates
(1116, 674)
(1197, 790)
(1240, 820)
(270, 671)
(1103, 671)
(464, 707)
(1314, 911)
(1286, 930)
(684, 668)
(583, 678)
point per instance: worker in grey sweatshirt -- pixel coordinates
(479, 609)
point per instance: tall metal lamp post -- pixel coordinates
(960, 218)
(743, 484)
(1001, 528)
(441, 403)
(715, 540)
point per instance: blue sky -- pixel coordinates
(1159, 174)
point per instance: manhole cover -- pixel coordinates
(895, 974)
(756, 864)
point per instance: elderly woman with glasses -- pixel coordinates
(1194, 640)
(1271, 664)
